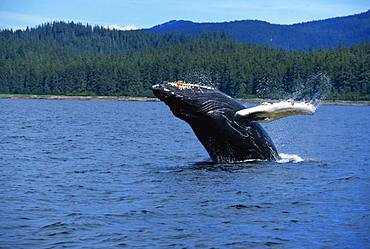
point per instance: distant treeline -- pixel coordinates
(74, 59)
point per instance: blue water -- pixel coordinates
(101, 174)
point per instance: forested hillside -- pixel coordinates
(333, 32)
(73, 59)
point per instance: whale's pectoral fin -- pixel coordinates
(267, 112)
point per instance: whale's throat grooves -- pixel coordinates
(230, 142)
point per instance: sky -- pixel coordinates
(131, 14)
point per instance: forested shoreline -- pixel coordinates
(75, 59)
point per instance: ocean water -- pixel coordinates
(103, 174)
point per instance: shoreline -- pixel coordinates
(150, 99)
(76, 97)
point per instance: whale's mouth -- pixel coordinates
(161, 92)
(173, 97)
(156, 87)
(169, 91)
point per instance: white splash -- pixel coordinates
(289, 158)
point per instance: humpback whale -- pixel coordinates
(227, 130)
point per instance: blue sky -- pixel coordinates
(132, 14)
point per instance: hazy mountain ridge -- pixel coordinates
(333, 32)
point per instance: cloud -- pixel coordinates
(17, 20)
(14, 16)
(121, 27)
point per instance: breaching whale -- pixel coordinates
(227, 130)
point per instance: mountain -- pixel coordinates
(333, 32)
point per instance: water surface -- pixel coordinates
(99, 174)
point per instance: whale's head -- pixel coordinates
(190, 101)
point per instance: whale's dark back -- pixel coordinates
(211, 115)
